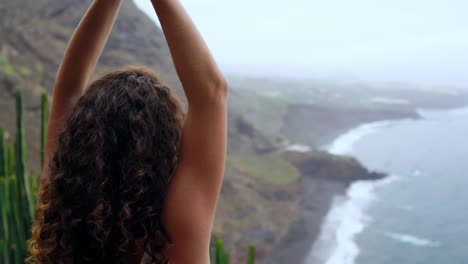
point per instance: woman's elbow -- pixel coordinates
(206, 91)
(216, 90)
(220, 88)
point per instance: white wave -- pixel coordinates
(298, 148)
(344, 144)
(346, 219)
(413, 240)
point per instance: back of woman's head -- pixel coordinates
(110, 173)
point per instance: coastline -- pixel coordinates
(320, 194)
(348, 217)
(324, 199)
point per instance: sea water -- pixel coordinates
(419, 214)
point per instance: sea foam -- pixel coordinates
(347, 218)
(412, 240)
(344, 144)
(298, 148)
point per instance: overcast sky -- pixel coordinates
(419, 41)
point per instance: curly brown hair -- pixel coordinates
(110, 174)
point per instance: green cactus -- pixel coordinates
(4, 226)
(226, 258)
(10, 160)
(44, 119)
(18, 190)
(251, 256)
(21, 175)
(219, 251)
(3, 154)
(14, 244)
(221, 256)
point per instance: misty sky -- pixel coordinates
(418, 41)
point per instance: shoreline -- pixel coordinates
(347, 217)
(321, 196)
(318, 193)
(345, 220)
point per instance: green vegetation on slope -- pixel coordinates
(10, 70)
(271, 168)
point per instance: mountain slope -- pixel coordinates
(35, 33)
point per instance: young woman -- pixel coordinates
(129, 174)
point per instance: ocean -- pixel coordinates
(419, 214)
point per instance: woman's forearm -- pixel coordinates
(85, 48)
(79, 60)
(196, 68)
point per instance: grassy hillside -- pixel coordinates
(271, 168)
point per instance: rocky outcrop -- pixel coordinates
(322, 177)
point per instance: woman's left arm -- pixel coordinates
(81, 56)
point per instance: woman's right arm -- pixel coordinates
(195, 188)
(81, 56)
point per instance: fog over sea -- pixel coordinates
(416, 215)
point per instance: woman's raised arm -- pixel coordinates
(80, 58)
(200, 76)
(194, 191)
